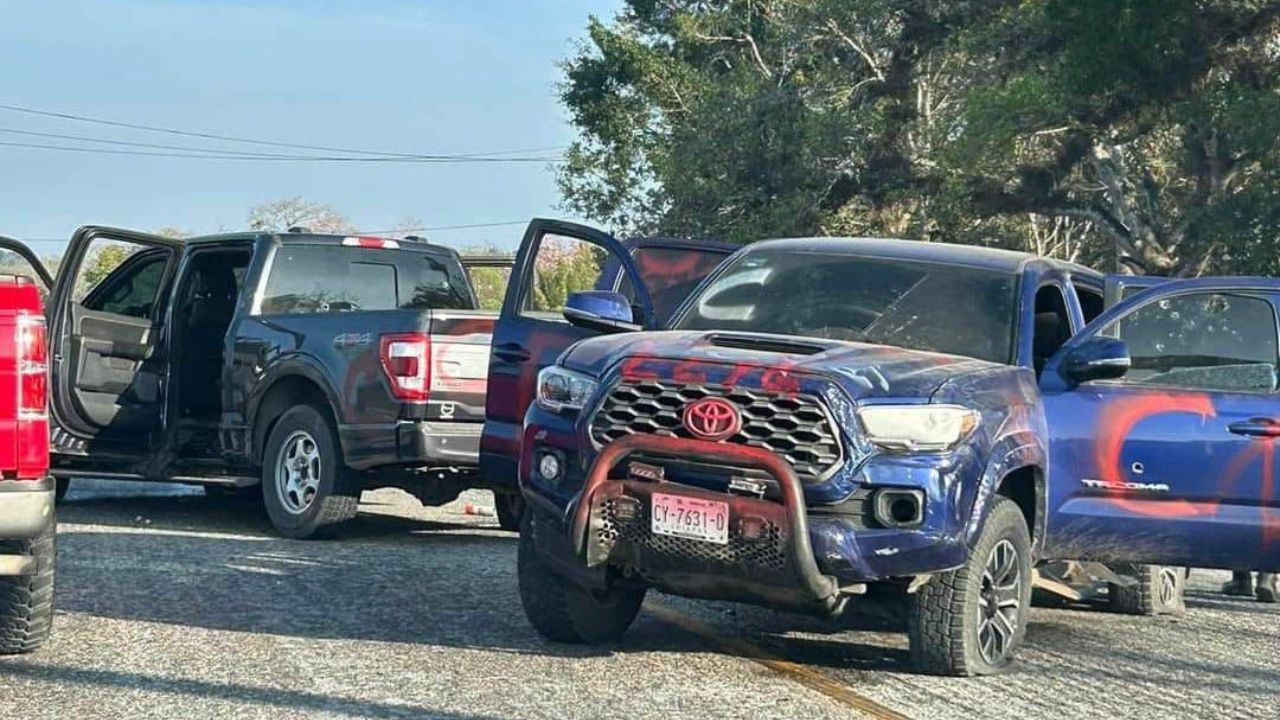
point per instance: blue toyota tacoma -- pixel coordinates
(822, 415)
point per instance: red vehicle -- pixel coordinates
(27, 524)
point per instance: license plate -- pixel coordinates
(690, 518)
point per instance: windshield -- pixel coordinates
(918, 305)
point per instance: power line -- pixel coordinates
(82, 138)
(255, 141)
(282, 158)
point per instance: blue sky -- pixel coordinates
(426, 76)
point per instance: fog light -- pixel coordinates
(899, 508)
(549, 467)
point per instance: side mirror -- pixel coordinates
(600, 310)
(1098, 358)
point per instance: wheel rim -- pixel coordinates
(1000, 603)
(1168, 586)
(298, 472)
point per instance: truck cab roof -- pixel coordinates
(294, 238)
(987, 258)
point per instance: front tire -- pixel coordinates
(26, 601)
(971, 621)
(1159, 591)
(306, 487)
(562, 611)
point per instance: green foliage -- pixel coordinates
(1084, 128)
(101, 260)
(562, 267)
(490, 285)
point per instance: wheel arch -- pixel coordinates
(1018, 470)
(1025, 486)
(287, 390)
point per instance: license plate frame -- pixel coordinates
(689, 518)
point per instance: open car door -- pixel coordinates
(17, 259)
(555, 259)
(106, 317)
(1172, 461)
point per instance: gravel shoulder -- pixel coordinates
(174, 605)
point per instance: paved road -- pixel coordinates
(175, 606)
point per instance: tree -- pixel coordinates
(101, 260)
(490, 284)
(280, 215)
(1090, 129)
(405, 227)
(172, 231)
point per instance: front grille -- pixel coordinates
(767, 552)
(793, 426)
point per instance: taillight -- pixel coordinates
(32, 434)
(33, 368)
(406, 359)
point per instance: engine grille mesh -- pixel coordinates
(793, 426)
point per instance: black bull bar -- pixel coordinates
(784, 573)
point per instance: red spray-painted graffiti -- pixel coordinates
(1124, 414)
(1118, 421)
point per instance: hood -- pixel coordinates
(863, 370)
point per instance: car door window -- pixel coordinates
(561, 266)
(669, 274)
(122, 279)
(13, 263)
(1052, 325)
(1092, 302)
(1201, 341)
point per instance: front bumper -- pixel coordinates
(26, 508)
(768, 560)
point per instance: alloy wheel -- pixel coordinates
(1000, 603)
(298, 472)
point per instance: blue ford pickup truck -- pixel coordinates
(821, 415)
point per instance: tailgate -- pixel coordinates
(460, 342)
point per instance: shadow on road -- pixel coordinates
(292, 701)
(189, 510)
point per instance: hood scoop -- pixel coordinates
(769, 344)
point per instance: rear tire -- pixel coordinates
(306, 487)
(1159, 591)
(26, 601)
(971, 621)
(561, 610)
(509, 507)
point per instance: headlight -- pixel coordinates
(561, 389)
(917, 428)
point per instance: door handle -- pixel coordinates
(1256, 427)
(512, 352)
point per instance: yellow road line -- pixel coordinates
(808, 677)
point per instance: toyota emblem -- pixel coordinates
(712, 418)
